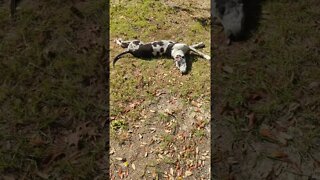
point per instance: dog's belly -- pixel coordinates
(162, 47)
(144, 51)
(153, 49)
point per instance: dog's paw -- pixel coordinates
(118, 41)
(201, 45)
(207, 57)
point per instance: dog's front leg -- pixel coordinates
(207, 57)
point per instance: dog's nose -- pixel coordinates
(183, 68)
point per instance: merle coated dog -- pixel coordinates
(232, 16)
(177, 51)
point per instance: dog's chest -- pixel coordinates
(156, 48)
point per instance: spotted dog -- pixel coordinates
(160, 48)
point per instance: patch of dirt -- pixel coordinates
(165, 146)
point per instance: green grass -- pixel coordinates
(133, 79)
(283, 66)
(131, 18)
(118, 125)
(48, 95)
(140, 82)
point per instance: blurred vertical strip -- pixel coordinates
(106, 61)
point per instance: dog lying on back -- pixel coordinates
(177, 51)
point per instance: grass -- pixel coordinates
(48, 89)
(280, 60)
(126, 21)
(118, 124)
(155, 85)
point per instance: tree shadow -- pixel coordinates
(191, 58)
(253, 11)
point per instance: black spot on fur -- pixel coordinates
(162, 50)
(136, 42)
(144, 51)
(124, 45)
(169, 49)
(160, 43)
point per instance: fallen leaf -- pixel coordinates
(314, 85)
(119, 158)
(285, 136)
(232, 160)
(171, 171)
(266, 133)
(37, 141)
(42, 175)
(187, 173)
(126, 164)
(227, 69)
(196, 104)
(133, 166)
(169, 111)
(133, 105)
(120, 173)
(73, 139)
(252, 119)
(293, 106)
(112, 151)
(278, 155)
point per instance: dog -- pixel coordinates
(177, 51)
(232, 16)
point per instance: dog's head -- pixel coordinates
(231, 13)
(181, 63)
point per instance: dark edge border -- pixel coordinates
(211, 90)
(105, 62)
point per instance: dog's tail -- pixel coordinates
(119, 56)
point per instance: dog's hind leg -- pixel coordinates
(207, 57)
(198, 45)
(123, 44)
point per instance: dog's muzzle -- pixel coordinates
(181, 64)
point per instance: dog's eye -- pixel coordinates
(182, 57)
